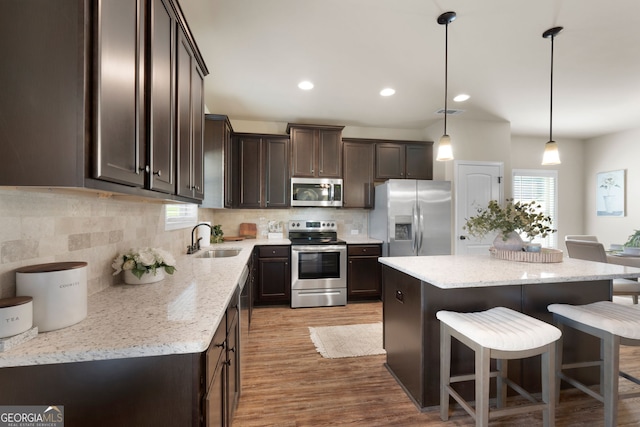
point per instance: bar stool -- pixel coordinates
(499, 333)
(614, 324)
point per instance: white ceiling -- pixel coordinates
(258, 50)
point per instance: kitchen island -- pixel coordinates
(415, 288)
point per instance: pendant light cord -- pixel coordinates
(551, 95)
(446, 72)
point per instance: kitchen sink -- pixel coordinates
(220, 253)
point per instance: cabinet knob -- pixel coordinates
(144, 168)
(158, 172)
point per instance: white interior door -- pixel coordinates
(476, 183)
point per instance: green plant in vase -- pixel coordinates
(634, 240)
(510, 221)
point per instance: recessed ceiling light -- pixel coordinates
(387, 91)
(305, 85)
(462, 97)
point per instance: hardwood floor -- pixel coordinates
(287, 383)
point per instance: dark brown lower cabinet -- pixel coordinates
(364, 272)
(178, 390)
(273, 280)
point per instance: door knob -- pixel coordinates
(463, 237)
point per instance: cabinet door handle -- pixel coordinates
(158, 172)
(144, 168)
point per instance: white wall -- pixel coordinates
(613, 152)
(472, 140)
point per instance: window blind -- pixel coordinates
(540, 186)
(182, 215)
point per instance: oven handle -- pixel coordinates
(319, 248)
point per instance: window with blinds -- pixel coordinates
(180, 216)
(540, 186)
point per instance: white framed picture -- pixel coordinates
(610, 193)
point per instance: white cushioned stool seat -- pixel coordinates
(618, 319)
(501, 334)
(501, 328)
(615, 325)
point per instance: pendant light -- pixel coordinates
(445, 152)
(551, 155)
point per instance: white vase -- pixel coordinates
(513, 243)
(148, 277)
(609, 203)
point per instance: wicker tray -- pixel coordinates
(547, 255)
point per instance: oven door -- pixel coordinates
(318, 266)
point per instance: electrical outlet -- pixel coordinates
(355, 232)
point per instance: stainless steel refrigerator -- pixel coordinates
(412, 217)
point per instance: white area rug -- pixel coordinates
(334, 342)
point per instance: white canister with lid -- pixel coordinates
(59, 292)
(16, 316)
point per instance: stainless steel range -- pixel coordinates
(318, 264)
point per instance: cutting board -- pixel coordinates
(248, 230)
(232, 238)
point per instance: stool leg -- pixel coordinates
(445, 370)
(501, 386)
(549, 379)
(558, 360)
(611, 368)
(483, 365)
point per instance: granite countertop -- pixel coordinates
(472, 271)
(177, 315)
(359, 239)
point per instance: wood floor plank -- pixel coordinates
(286, 383)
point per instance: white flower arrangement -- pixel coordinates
(141, 261)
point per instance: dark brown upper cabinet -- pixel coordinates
(161, 83)
(404, 160)
(189, 122)
(263, 173)
(95, 106)
(358, 159)
(219, 167)
(316, 151)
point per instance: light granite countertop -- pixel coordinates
(472, 271)
(359, 239)
(177, 315)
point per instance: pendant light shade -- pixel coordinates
(445, 151)
(551, 154)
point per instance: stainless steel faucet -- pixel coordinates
(195, 247)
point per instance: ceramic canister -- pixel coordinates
(59, 292)
(16, 316)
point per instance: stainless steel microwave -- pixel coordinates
(319, 192)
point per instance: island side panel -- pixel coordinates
(577, 346)
(412, 332)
